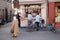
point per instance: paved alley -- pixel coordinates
(24, 35)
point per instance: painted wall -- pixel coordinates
(43, 14)
(57, 25)
(51, 12)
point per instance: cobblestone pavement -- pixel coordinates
(24, 35)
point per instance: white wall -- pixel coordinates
(31, 1)
(44, 12)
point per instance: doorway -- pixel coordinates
(29, 8)
(6, 14)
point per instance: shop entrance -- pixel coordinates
(29, 8)
(57, 17)
(6, 14)
(32, 8)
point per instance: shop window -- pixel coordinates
(58, 10)
(57, 17)
(32, 8)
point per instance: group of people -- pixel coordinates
(33, 18)
(16, 24)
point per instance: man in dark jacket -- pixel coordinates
(18, 17)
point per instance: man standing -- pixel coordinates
(15, 29)
(37, 21)
(29, 22)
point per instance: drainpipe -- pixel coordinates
(47, 11)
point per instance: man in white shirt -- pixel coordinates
(29, 22)
(37, 21)
(29, 17)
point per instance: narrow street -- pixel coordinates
(24, 35)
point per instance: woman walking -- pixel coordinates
(15, 28)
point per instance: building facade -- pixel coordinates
(33, 5)
(5, 10)
(54, 12)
